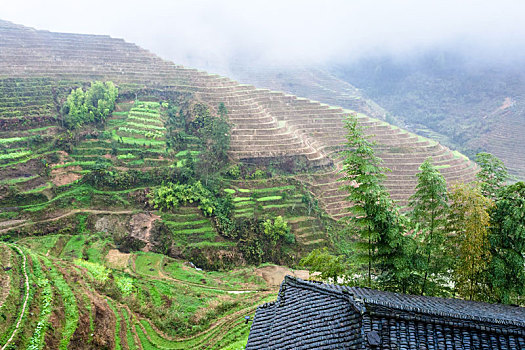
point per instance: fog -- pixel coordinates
(213, 34)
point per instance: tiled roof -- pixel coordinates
(311, 315)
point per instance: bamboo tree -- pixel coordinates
(492, 175)
(469, 225)
(507, 240)
(380, 242)
(429, 207)
(363, 171)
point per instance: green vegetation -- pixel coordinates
(141, 216)
(429, 207)
(92, 105)
(69, 301)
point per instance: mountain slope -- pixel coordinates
(267, 125)
(472, 106)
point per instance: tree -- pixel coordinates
(223, 112)
(94, 105)
(364, 174)
(75, 109)
(507, 243)
(492, 175)
(469, 226)
(321, 260)
(374, 215)
(276, 230)
(429, 208)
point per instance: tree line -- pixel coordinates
(466, 241)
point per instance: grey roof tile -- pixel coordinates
(311, 315)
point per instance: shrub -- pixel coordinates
(93, 105)
(277, 229)
(171, 195)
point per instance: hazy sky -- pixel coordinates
(209, 33)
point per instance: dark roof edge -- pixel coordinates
(360, 304)
(432, 312)
(322, 288)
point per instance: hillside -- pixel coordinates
(102, 266)
(471, 106)
(274, 124)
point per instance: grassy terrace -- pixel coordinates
(161, 302)
(276, 197)
(191, 229)
(133, 138)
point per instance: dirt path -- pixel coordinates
(69, 213)
(274, 275)
(25, 299)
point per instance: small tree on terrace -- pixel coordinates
(94, 105)
(429, 208)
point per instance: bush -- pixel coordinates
(171, 195)
(93, 105)
(277, 229)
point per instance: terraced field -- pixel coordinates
(284, 197)
(69, 199)
(112, 295)
(267, 125)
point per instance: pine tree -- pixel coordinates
(429, 208)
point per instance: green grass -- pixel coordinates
(273, 189)
(17, 180)
(203, 229)
(229, 190)
(185, 153)
(269, 198)
(148, 263)
(11, 140)
(97, 251)
(443, 166)
(118, 346)
(240, 204)
(41, 245)
(243, 210)
(146, 126)
(278, 206)
(126, 156)
(180, 224)
(79, 163)
(43, 284)
(73, 248)
(129, 334)
(135, 141)
(39, 189)
(150, 134)
(241, 199)
(69, 302)
(15, 155)
(204, 244)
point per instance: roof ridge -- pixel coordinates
(323, 288)
(360, 302)
(433, 312)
